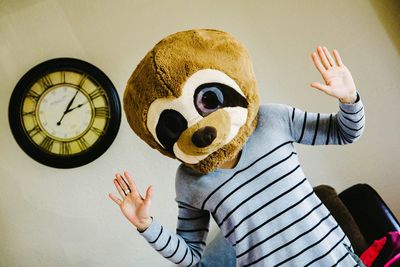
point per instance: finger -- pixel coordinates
(328, 56)
(322, 87)
(126, 184)
(119, 189)
(123, 184)
(323, 58)
(318, 64)
(115, 199)
(337, 57)
(149, 193)
(131, 183)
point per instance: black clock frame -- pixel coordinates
(32, 149)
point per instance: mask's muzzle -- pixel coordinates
(206, 136)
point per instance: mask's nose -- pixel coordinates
(203, 137)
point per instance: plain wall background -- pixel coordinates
(52, 217)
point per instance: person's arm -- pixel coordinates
(343, 127)
(347, 124)
(184, 248)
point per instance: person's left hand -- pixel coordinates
(338, 80)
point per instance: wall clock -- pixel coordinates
(64, 112)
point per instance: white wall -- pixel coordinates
(51, 217)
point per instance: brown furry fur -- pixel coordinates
(166, 67)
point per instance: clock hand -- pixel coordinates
(78, 106)
(70, 102)
(67, 109)
(62, 117)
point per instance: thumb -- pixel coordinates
(322, 87)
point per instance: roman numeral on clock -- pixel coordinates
(62, 73)
(65, 148)
(96, 93)
(47, 143)
(97, 131)
(30, 113)
(83, 144)
(102, 112)
(33, 95)
(34, 131)
(46, 82)
(82, 81)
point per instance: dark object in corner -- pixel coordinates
(373, 216)
(360, 212)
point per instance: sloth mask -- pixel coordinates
(194, 97)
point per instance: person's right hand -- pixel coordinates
(134, 207)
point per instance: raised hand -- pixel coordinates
(338, 80)
(134, 207)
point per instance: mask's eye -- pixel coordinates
(169, 127)
(208, 98)
(211, 96)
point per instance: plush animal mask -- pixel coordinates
(194, 97)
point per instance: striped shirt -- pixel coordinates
(264, 206)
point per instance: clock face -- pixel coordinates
(64, 113)
(59, 124)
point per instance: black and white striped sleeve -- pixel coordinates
(186, 246)
(344, 127)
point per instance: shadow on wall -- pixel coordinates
(388, 12)
(16, 5)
